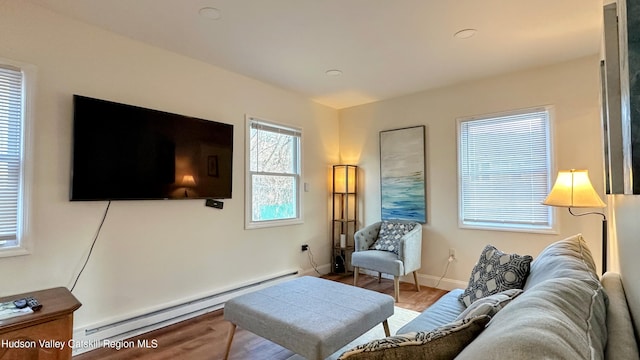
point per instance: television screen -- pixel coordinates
(124, 152)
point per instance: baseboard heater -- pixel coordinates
(94, 337)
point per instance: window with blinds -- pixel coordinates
(273, 184)
(12, 121)
(505, 171)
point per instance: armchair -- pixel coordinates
(397, 260)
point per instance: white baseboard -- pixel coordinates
(114, 332)
(322, 270)
(424, 280)
(444, 284)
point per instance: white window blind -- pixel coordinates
(11, 115)
(274, 174)
(504, 170)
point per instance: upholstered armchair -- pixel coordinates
(390, 247)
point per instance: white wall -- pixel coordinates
(150, 252)
(625, 247)
(572, 88)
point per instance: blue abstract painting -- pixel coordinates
(402, 174)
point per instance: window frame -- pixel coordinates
(249, 222)
(552, 227)
(23, 229)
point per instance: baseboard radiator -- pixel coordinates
(113, 334)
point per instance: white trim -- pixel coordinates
(423, 280)
(249, 224)
(24, 231)
(445, 283)
(553, 226)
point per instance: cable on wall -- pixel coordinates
(445, 270)
(106, 211)
(312, 261)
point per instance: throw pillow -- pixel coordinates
(490, 305)
(495, 272)
(444, 342)
(390, 235)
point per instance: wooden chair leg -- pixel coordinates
(356, 271)
(379, 277)
(415, 278)
(232, 331)
(396, 287)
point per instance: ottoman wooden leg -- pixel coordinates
(232, 331)
(385, 325)
(415, 278)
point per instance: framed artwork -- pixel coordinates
(402, 174)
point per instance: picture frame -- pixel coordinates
(403, 174)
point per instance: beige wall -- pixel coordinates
(155, 252)
(150, 252)
(572, 88)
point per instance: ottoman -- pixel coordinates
(310, 316)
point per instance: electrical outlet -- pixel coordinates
(305, 247)
(452, 253)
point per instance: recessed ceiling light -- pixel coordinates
(333, 72)
(465, 33)
(210, 13)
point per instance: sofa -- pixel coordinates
(561, 311)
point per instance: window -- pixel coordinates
(273, 168)
(16, 81)
(504, 171)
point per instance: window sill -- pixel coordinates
(272, 223)
(547, 231)
(14, 251)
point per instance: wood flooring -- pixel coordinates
(204, 337)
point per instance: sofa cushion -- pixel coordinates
(569, 257)
(621, 342)
(390, 235)
(490, 305)
(495, 272)
(560, 318)
(444, 342)
(383, 261)
(443, 311)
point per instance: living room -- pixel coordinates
(151, 255)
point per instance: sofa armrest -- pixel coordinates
(410, 251)
(621, 342)
(366, 236)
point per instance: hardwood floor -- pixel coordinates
(204, 337)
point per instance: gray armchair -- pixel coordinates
(406, 260)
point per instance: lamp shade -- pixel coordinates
(188, 181)
(573, 189)
(344, 177)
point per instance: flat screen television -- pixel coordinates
(125, 152)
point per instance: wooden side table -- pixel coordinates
(44, 335)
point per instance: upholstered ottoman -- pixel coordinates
(310, 316)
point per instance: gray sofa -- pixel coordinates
(564, 312)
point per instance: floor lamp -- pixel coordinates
(573, 189)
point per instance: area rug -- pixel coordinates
(399, 319)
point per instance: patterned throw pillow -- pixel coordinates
(390, 235)
(495, 272)
(490, 305)
(444, 342)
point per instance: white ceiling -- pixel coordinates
(385, 48)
